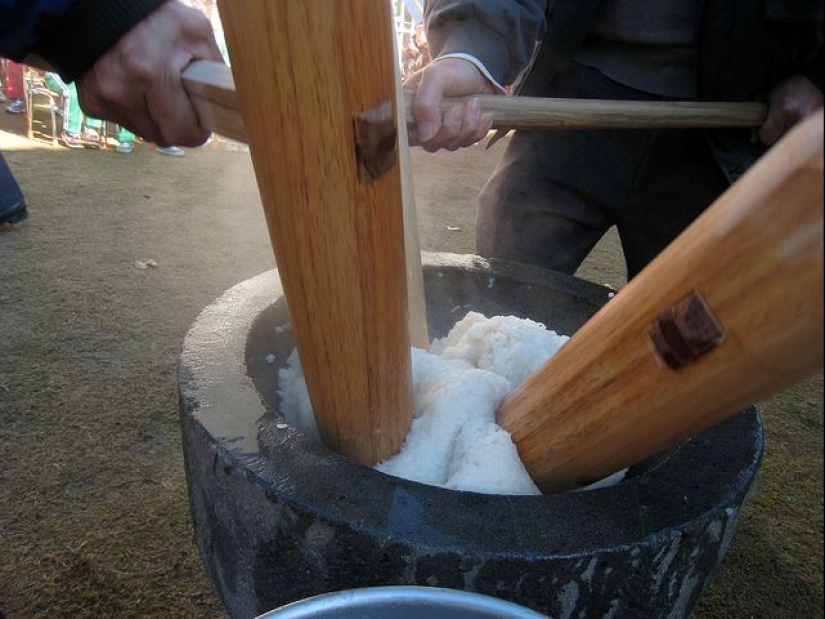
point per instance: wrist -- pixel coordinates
(485, 46)
(478, 64)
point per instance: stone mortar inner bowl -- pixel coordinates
(279, 518)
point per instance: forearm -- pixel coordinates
(501, 34)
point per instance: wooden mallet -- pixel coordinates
(730, 313)
(316, 87)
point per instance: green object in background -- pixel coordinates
(73, 116)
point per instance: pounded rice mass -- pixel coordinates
(457, 386)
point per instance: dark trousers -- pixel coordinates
(555, 193)
(11, 198)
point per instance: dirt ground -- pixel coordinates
(94, 515)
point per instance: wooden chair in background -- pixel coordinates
(37, 90)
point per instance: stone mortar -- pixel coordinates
(279, 518)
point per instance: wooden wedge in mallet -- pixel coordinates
(730, 313)
(316, 87)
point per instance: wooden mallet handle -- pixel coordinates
(212, 89)
(730, 313)
(547, 114)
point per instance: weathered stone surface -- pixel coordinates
(279, 518)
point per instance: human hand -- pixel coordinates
(138, 82)
(460, 126)
(793, 100)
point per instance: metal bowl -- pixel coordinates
(402, 603)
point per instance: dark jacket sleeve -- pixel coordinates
(814, 69)
(747, 46)
(69, 34)
(20, 22)
(500, 33)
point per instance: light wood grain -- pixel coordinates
(212, 90)
(545, 114)
(416, 301)
(303, 72)
(607, 400)
(211, 87)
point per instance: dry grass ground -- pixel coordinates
(94, 515)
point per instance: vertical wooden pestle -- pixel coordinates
(730, 313)
(307, 74)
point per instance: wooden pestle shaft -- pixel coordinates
(304, 72)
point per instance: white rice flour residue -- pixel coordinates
(458, 385)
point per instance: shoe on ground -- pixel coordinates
(125, 148)
(91, 138)
(14, 215)
(18, 106)
(72, 140)
(172, 151)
